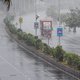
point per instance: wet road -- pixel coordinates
(16, 64)
(71, 42)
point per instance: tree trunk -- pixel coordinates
(20, 25)
(74, 29)
(69, 29)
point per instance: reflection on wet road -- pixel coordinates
(71, 41)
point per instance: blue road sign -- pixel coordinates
(59, 32)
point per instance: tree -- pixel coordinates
(73, 20)
(20, 21)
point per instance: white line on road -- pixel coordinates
(26, 77)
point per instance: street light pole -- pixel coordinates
(36, 25)
(59, 6)
(35, 8)
(35, 16)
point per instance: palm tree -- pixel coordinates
(8, 3)
(20, 21)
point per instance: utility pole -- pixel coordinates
(36, 25)
(59, 7)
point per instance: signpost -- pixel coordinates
(20, 21)
(46, 29)
(59, 33)
(36, 26)
(48, 36)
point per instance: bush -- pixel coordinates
(19, 30)
(20, 35)
(13, 29)
(72, 59)
(30, 40)
(78, 66)
(38, 44)
(47, 49)
(52, 53)
(25, 36)
(59, 53)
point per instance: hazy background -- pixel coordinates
(27, 6)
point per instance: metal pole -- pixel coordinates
(20, 25)
(59, 40)
(59, 6)
(35, 16)
(35, 9)
(59, 19)
(35, 32)
(48, 41)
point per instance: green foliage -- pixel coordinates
(73, 19)
(20, 21)
(64, 17)
(38, 44)
(30, 40)
(20, 35)
(19, 30)
(72, 60)
(52, 52)
(25, 36)
(59, 53)
(78, 66)
(47, 49)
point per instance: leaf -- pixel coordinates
(8, 3)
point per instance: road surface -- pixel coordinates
(16, 64)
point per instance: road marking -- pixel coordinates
(26, 77)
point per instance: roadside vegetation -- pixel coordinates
(70, 19)
(70, 59)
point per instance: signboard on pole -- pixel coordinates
(59, 32)
(36, 25)
(46, 28)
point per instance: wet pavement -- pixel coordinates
(16, 64)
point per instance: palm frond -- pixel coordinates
(8, 3)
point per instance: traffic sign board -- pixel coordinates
(36, 25)
(59, 32)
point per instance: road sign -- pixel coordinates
(46, 27)
(36, 25)
(59, 32)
